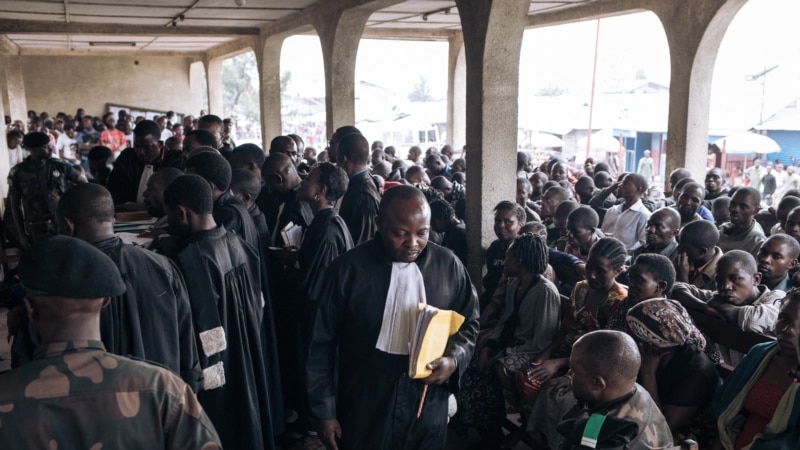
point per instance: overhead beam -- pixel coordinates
(408, 34)
(7, 47)
(194, 55)
(231, 48)
(24, 26)
(587, 11)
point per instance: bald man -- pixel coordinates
(375, 403)
(604, 365)
(689, 202)
(152, 320)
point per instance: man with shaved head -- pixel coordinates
(374, 403)
(742, 232)
(152, 319)
(222, 275)
(359, 205)
(604, 365)
(739, 299)
(662, 230)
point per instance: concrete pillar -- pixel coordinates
(694, 31)
(339, 35)
(17, 102)
(214, 80)
(492, 42)
(268, 58)
(456, 92)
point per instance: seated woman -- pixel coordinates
(582, 232)
(676, 372)
(527, 327)
(651, 276)
(591, 306)
(758, 407)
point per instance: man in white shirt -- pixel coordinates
(627, 222)
(67, 145)
(165, 132)
(15, 152)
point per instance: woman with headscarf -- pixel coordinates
(675, 370)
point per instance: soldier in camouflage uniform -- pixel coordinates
(603, 369)
(76, 395)
(35, 186)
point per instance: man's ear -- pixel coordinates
(662, 286)
(793, 263)
(599, 383)
(106, 301)
(757, 278)
(183, 213)
(66, 226)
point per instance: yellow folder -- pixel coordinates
(434, 327)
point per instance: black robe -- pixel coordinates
(231, 213)
(271, 342)
(123, 182)
(359, 207)
(455, 238)
(286, 295)
(152, 320)
(222, 273)
(376, 403)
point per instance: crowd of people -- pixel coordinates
(277, 293)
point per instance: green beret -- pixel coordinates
(35, 139)
(68, 267)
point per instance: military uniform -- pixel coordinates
(651, 430)
(75, 395)
(39, 187)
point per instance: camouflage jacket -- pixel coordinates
(75, 395)
(639, 408)
(40, 187)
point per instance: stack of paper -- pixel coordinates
(434, 328)
(292, 235)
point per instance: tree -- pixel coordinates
(240, 87)
(421, 91)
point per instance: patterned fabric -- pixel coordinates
(76, 395)
(664, 323)
(583, 319)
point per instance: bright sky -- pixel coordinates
(763, 34)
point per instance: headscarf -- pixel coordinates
(664, 323)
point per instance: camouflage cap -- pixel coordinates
(68, 267)
(35, 139)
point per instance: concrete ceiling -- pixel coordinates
(175, 26)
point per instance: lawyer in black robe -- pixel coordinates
(124, 179)
(222, 273)
(152, 320)
(359, 206)
(367, 390)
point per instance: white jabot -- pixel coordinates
(406, 292)
(146, 174)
